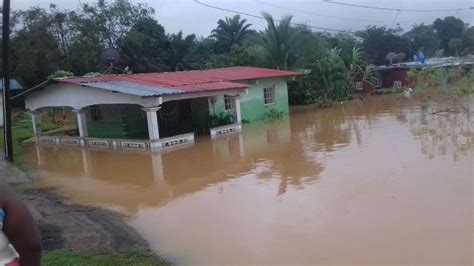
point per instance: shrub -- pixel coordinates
(221, 119)
(273, 115)
(60, 74)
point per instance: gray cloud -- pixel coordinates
(188, 16)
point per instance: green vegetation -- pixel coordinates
(60, 74)
(273, 115)
(447, 86)
(221, 119)
(279, 42)
(229, 33)
(92, 74)
(60, 258)
(22, 129)
(47, 40)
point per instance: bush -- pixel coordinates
(221, 119)
(300, 92)
(273, 115)
(61, 74)
(92, 74)
(330, 77)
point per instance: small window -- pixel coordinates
(227, 103)
(397, 84)
(359, 86)
(96, 113)
(269, 95)
(378, 82)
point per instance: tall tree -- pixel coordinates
(447, 29)
(146, 46)
(377, 42)
(279, 42)
(230, 32)
(468, 41)
(423, 37)
(35, 50)
(110, 22)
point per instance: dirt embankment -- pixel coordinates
(75, 228)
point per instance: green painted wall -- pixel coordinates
(252, 105)
(119, 122)
(129, 121)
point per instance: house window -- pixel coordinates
(378, 82)
(96, 113)
(359, 86)
(397, 84)
(269, 95)
(227, 103)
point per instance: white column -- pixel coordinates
(36, 120)
(81, 122)
(153, 128)
(237, 115)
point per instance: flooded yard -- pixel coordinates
(368, 182)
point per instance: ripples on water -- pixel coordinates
(378, 181)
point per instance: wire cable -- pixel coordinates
(398, 9)
(260, 17)
(313, 13)
(328, 16)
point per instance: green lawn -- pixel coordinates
(61, 258)
(22, 129)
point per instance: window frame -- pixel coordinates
(228, 104)
(96, 113)
(269, 95)
(397, 84)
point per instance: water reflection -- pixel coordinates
(440, 135)
(356, 183)
(130, 180)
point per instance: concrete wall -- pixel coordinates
(252, 104)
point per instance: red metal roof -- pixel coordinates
(189, 81)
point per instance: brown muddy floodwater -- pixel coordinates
(373, 182)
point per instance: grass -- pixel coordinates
(63, 257)
(22, 129)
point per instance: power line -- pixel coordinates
(398, 9)
(260, 17)
(316, 14)
(323, 15)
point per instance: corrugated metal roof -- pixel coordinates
(430, 63)
(132, 88)
(154, 84)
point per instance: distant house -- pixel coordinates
(395, 76)
(121, 111)
(15, 88)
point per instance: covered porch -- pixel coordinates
(113, 119)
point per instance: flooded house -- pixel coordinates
(155, 110)
(395, 76)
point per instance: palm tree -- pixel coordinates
(279, 41)
(230, 32)
(360, 69)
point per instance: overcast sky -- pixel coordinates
(190, 17)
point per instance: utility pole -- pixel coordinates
(7, 108)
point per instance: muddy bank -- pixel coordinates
(70, 227)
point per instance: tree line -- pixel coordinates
(48, 40)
